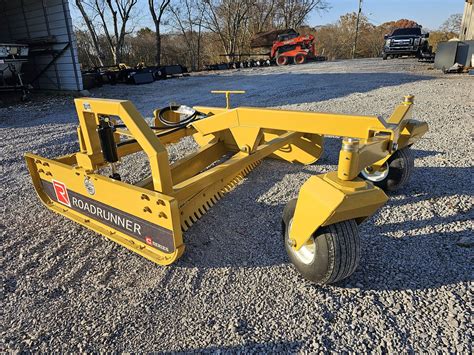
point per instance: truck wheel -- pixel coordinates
(299, 59)
(282, 60)
(332, 253)
(384, 56)
(395, 173)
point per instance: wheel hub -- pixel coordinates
(307, 251)
(375, 175)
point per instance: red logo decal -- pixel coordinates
(148, 240)
(61, 193)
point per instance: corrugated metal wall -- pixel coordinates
(467, 26)
(26, 20)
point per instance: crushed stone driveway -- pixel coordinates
(69, 289)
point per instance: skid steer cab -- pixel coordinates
(149, 216)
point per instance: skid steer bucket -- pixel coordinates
(150, 216)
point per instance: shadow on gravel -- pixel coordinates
(271, 347)
(413, 262)
(263, 90)
(242, 232)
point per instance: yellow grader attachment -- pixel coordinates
(150, 216)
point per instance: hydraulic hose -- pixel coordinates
(175, 126)
(162, 134)
(194, 116)
(184, 122)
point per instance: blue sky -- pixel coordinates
(428, 13)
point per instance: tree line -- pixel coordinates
(199, 32)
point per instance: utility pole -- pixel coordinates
(357, 30)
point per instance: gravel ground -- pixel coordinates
(68, 289)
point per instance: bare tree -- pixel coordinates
(142, 46)
(85, 48)
(120, 11)
(227, 19)
(112, 17)
(92, 31)
(452, 24)
(157, 13)
(292, 13)
(188, 20)
(263, 15)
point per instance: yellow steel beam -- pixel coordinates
(210, 110)
(296, 121)
(195, 162)
(362, 127)
(173, 137)
(238, 162)
(403, 111)
(191, 164)
(89, 110)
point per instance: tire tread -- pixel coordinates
(343, 243)
(345, 238)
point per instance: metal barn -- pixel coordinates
(46, 27)
(467, 26)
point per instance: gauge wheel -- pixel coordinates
(331, 254)
(282, 60)
(394, 174)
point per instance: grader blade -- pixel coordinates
(199, 204)
(149, 216)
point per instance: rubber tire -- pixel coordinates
(299, 59)
(401, 165)
(285, 60)
(384, 56)
(337, 246)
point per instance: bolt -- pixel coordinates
(394, 147)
